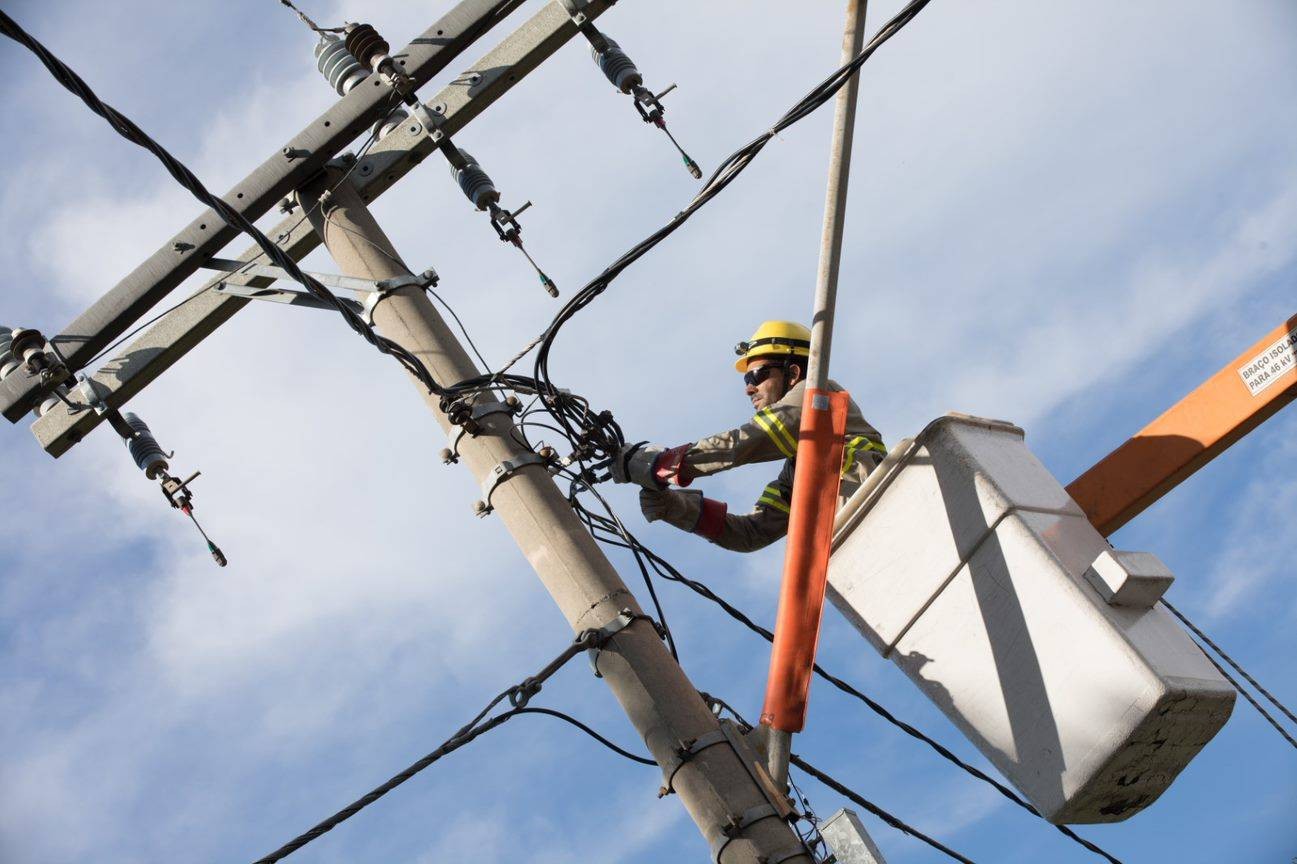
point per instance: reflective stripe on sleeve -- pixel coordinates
(772, 497)
(855, 444)
(777, 431)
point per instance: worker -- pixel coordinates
(773, 363)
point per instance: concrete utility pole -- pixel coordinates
(718, 784)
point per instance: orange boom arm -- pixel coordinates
(1192, 432)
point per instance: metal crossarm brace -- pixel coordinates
(153, 352)
(304, 156)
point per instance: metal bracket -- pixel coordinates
(425, 280)
(279, 295)
(624, 619)
(687, 751)
(499, 474)
(472, 423)
(88, 390)
(431, 121)
(374, 291)
(583, 23)
(737, 825)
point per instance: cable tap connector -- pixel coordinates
(153, 461)
(478, 188)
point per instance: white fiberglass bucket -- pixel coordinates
(963, 560)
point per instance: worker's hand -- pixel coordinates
(680, 508)
(634, 464)
(650, 466)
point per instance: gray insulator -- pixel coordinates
(336, 64)
(617, 67)
(144, 447)
(343, 72)
(8, 363)
(50, 402)
(475, 183)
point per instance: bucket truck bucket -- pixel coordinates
(963, 560)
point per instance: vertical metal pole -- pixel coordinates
(801, 599)
(714, 784)
(835, 203)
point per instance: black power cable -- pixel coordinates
(837, 786)
(874, 808)
(518, 696)
(1250, 698)
(1220, 652)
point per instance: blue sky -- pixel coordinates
(1062, 214)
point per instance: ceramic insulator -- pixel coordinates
(617, 67)
(144, 447)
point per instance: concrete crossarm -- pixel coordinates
(164, 343)
(303, 157)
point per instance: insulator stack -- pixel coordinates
(338, 65)
(475, 183)
(364, 43)
(343, 72)
(8, 362)
(617, 67)
(144, 448)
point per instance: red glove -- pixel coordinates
(670, 467)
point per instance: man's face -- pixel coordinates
(772, 389)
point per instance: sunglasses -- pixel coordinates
(756, 377)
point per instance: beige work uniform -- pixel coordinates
(771, 434)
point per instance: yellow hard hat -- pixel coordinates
(786, 338)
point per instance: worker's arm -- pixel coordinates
(689, 511)
(771, 434)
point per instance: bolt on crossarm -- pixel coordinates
(716, 786)
(819, 456)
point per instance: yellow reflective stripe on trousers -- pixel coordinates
(859, 442)
(777, 431)
(772, 497)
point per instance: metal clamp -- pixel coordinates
(425, 280)
(88, 390)
(687, 751)
(470, 423)
(737, 825)
(499, 474)
(430, 119)
(624, 619)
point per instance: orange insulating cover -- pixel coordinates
(806, 564)
(1192, 432)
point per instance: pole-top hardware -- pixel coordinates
(622, 73)
(150, 458)
(478, 188)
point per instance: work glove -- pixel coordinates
(680, 508)
(650, 466)
(633, 463)
(685, 509)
